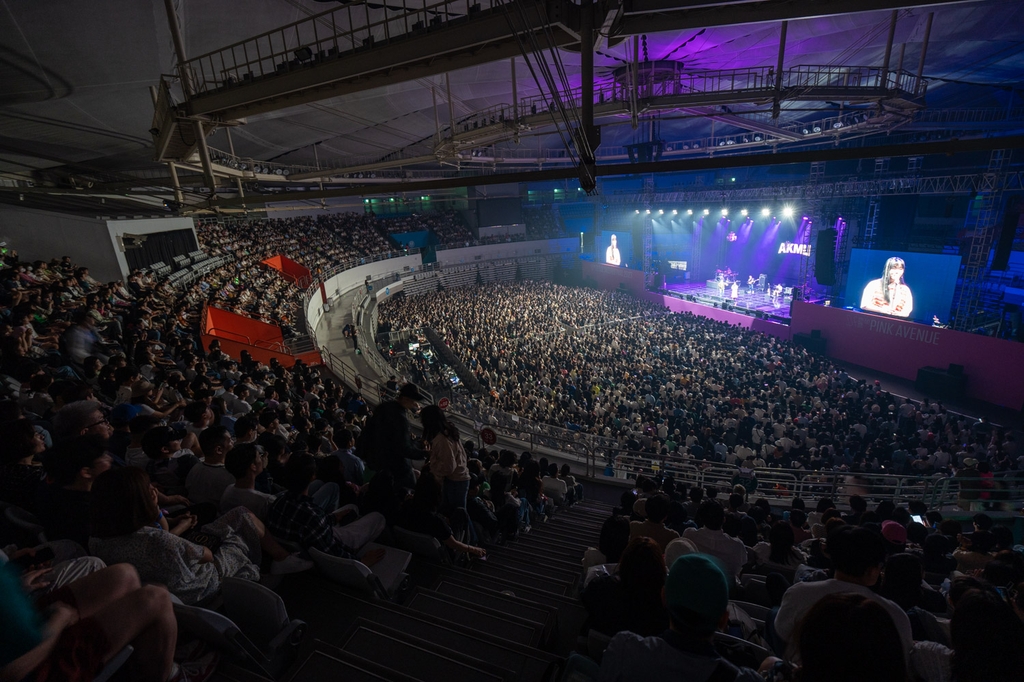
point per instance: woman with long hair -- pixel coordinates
(889, 295)
(448, 462)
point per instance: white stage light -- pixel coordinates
(725, 211)
(765, 212)
(743, 212)
(787, 211)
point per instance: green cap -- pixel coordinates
(696, 592)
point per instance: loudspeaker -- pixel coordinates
(815, 333)
(1011, 219)
(955, 370)
(825, 257)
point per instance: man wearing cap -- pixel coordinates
(696, 595)
(386, 442)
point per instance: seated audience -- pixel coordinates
(246, 462)
(127, 526)
(630, 598)
(656, 509)
(696, 597)
(709, 539)
(296, 517)
(857, 556)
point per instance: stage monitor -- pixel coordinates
(614, 248)
(913, 286)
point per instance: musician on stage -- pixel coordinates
(750, 285)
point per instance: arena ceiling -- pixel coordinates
(76, 78)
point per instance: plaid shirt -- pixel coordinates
(296, 518)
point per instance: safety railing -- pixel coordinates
(228, 334)
(321, 37)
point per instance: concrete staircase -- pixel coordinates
(513, 617)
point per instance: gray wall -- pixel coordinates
(43, 235)
(91, 242)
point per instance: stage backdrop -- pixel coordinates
(994, 367)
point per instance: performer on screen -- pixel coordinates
(611, 254)
(889, 295)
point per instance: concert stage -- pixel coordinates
(751, 304)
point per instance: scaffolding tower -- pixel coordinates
(982, 219)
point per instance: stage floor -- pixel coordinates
(744, 302)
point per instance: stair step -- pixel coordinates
(524, 555)
(532, 569)
(513, 605)
(328, 664)
(478, 617)
(330, 608)
(414, 656)
(564, 543)
(526, 577)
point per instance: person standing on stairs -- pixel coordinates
(448, 461)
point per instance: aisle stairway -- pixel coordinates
(514, 616)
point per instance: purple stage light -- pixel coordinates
(731, 237)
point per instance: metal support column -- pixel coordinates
(888, 50)
(982, 222)
(176, 184)
(588, 136)
(648, 230)
(777, 102)
(238, 180)
(188, 88)
(924, 52)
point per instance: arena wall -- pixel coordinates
(994, 368)
(539, 247)
(345, 281)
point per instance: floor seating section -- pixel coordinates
(514, 617)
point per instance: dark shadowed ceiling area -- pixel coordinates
(76, 79)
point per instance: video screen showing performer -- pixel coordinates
(611, 254)
(890, 294)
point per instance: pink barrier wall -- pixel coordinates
(994, 367)
(609, 277)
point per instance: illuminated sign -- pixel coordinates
(677, 264)
(790, 247)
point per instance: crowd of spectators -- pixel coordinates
(158, 467)
(678, 387)
(448, 226)
(149, 459)
(542, 223)
(695, 583)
